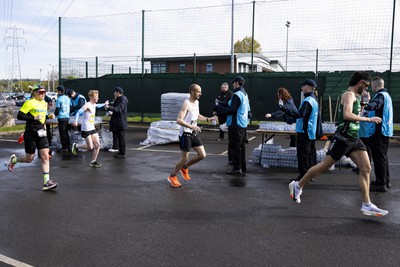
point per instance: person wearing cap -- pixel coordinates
(62, 114)
(306, 127)
(34, 112)
(346, 141)
(238, 115)
(77, 101)
(119, 120)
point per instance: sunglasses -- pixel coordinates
(366, 83)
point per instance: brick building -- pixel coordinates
(213, 64)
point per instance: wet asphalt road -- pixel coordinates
(126, 214)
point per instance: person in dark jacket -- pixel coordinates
(306, 127)
(222, 99)
(119, 120)
(379, 134)
(239, 115)
(284, 98)
(77, 101)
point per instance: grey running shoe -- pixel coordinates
(295, 191)
(49, 185)
(95, 164)
(10, 164)
(74, 148)
(373, 210)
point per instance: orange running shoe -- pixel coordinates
(185, 173)
(174, 181)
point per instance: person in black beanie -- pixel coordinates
(119, 120)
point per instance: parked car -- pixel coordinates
(4, 102)
(52, 95)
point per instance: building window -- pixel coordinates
(209, 68)
(158, 68)
(182, 68)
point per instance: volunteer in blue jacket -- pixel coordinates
(62, 114)
(237, 121)
(381, 106)
(77, 101)
(306, 127)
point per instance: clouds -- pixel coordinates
(339, 24)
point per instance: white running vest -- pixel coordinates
(191, 117)
(88, 117)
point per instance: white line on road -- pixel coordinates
(13, 262)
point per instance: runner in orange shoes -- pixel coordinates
(174, 181)
(185, 173)
(188, 135)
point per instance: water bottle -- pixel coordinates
(214, 122)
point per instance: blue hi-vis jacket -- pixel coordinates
(367, 129)
(63, 103)
(312, 122)
(75, 103)
(242, 113)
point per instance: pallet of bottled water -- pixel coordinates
(171, 104)
(328, 127)
(270, 155)
(277, 126)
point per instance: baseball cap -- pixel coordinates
(238, 79)
(118, 89)
(38, 87)
(309, 82)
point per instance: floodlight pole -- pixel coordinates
(287, 41)
(232, 45)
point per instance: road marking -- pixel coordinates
(9, 140)
(13, 262)
(143, 147)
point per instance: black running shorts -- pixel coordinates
(33, 141)
(340, 147)
(187, 141)
(87, 133)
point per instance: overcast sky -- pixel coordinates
(35, 23)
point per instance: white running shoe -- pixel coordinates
(373, 210)
(10, 164)
(75, 148)
(295, 191)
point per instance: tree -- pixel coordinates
(244, 46)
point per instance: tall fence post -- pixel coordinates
(97, 67)
(194, 65)
(232, 40)
(59, 50)
(87, 69)
(252, 37)
(142, 42)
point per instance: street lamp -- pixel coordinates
(52, 77)
(287, 41)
